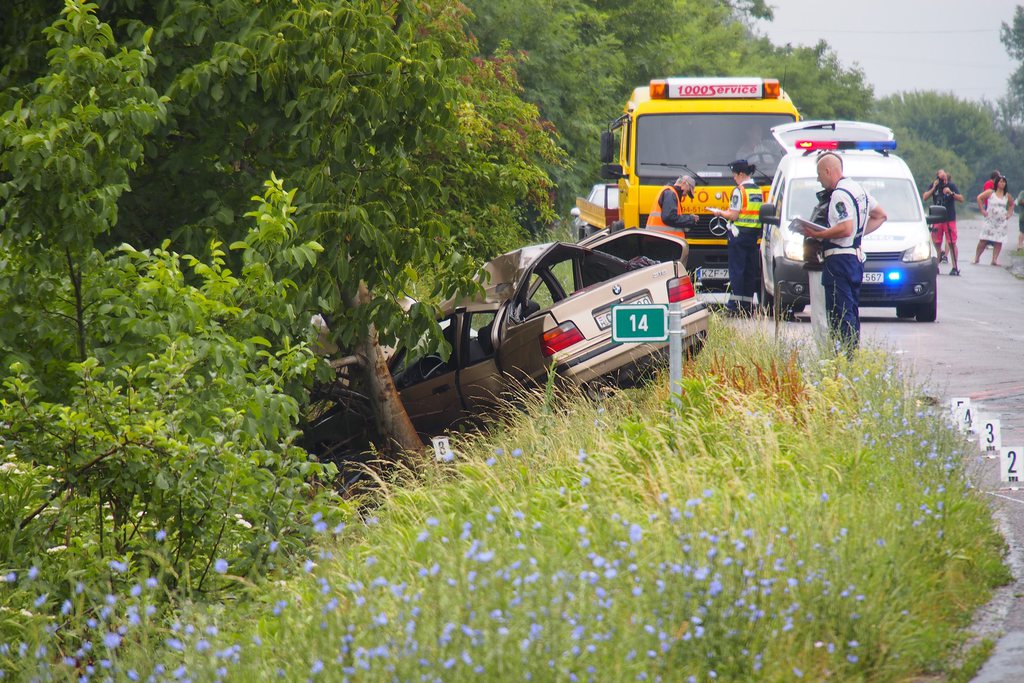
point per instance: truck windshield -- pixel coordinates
(898, 197)
(706, 143)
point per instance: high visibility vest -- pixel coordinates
(654, 217)
(750, 210)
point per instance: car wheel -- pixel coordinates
(927, 313)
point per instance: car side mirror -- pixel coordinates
(574, 212)
(937, 214)
(612, 171)
(607, 146)
(767, 214)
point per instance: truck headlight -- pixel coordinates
(922, 251)
(793, 246)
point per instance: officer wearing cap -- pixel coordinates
(852, 213)
(665, 210)
(744, 229)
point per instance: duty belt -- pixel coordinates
(836, 251)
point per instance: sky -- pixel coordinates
(903, 45)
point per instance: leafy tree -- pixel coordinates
(582, 59)
(412, 158)
(820, 86)
(941, 129)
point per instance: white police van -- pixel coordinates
(901, 264)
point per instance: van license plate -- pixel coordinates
(873, 278)
(712, 273)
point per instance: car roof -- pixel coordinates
(506, 271)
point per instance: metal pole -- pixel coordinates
(675, 353)
(819, 317)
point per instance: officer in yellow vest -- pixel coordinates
(744, 231)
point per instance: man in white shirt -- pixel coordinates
(852, 213)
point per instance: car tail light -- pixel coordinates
(680, 289)
(561, 337)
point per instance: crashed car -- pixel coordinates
(545, 306)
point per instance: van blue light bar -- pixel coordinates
(876, 145)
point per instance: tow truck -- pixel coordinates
(694, 126)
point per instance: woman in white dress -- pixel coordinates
(996, 206)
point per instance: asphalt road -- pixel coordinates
(974, 349)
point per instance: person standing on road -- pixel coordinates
(945, 193)
(997, 207)
(990, 184)
(743, 215)
(1020, 219)
(665, 210)
(852, 213)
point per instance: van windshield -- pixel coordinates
(705, 143)
(898, 197)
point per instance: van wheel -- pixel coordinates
(928, 312)
(906, 311)
(766, 301)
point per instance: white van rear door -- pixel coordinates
(788, 134)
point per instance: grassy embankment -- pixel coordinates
(799, 519)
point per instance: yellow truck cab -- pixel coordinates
(696, 127)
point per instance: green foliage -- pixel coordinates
(733, 539)
(580, 61)
(819, 85)
(942, 130)
(70, 143)
(173, 446)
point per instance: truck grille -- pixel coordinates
(884, 255)
(701, 231)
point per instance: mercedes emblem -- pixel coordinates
(718, 226)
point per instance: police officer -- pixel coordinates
(665, 210)
(852, 213)
(744, 229)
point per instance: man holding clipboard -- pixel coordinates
(852, 213)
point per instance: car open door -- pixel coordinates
(427, 383)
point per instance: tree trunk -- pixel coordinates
(392, 421)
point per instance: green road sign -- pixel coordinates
(640, 323)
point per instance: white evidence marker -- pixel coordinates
(989, 437)
(442, 449)
(964, 417)
(955, 404)
(1010, 463)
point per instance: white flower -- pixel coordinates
(56, 549)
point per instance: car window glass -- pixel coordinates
(478, 330)
(563, 273)
(630, 246)
(897, 195)
(599, 267)
(540, 295)
(420, 365)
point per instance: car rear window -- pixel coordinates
(630, 246)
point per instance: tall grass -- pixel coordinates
(793, 519)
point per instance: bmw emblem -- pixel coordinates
(616, 290)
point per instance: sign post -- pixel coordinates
(654, 323)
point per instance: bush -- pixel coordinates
(171, 451)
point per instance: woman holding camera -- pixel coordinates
(996, 206)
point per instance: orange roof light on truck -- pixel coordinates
(714, 88)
